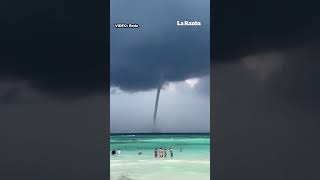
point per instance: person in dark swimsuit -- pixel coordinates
(165, 152)
(156, 153)
(113, 152)
(171, 152)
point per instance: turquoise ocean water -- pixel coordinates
(190, 163)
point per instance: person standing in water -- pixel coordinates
(118, 152)
(156, 153)
(161, 153)
(171, 152)
(165, 152)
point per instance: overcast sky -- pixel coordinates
(266, 94)
(265, 100)
(159, 51)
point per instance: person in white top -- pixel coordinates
(161, 153)
(118, 152)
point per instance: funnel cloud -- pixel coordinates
(156, 109)
(158, 57)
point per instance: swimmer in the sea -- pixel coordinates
(160, 153)
(171, 152)
(156, 153)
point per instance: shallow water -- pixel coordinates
(193, 162)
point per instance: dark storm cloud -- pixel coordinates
(158, 50)
(53, 46)
(247, 27)
(266, 127)
(45, 139)
(299, 80)
(10, 95)
(266, 93)
(282, 39)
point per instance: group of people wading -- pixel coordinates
(162, 153)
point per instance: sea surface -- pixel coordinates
(190, 161)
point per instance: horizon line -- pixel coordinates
(166, 133)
